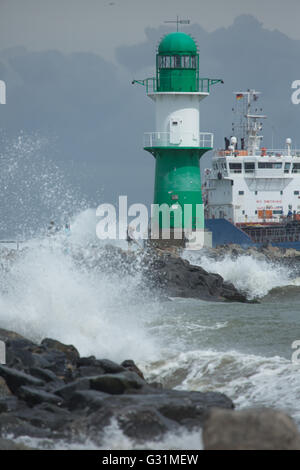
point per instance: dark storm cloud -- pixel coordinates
(95, 119)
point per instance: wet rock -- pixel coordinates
(149, 416)
(253, 429)
(86, 361)
(46, 416)
(109, 367)
(90, 399)
(67, 391)
(178, 278)
(69, 351)
(4, 390)
(130, 365)
(6, 335)
(143, 424)
(116, 384)
(88, 371)
(12, 425)
(33, 396)
(44, 374)
(15, 379)
(7, 444)
(9, 403)
(53, 393)
(22, 353)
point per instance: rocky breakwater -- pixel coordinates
(48, 391)
(177, 277)
(166, 272)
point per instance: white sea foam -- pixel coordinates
(115, 439)
(249, 380)
(50, 290)
(255, 276)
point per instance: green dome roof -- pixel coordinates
(177, 43)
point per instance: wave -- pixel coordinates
(254, 276)
(249, 380)
(63, 288)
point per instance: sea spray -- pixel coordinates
(255, 276)
(56, 289)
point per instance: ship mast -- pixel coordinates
(248, 125)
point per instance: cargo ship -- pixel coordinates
(251, 193)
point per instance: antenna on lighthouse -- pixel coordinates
(178, 22)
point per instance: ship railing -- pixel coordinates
(282, 153)
(262, 152)
(184, 139)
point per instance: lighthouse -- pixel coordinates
(177, 143)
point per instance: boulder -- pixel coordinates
(44, 374)
(4, 390)
(178, 278)
(251, 429)
(109, 367)
(67, 391)
(86, 399)
(69, 351)
(116, 384)
(15, 379)
(33, 396)
(130, 365)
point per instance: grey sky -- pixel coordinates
(102, 25)
(62, 87)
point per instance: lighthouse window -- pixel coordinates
(164, 61)
(296, 193)
(235, 167)
(241, 193)
(177, 61)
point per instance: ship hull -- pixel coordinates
(281, 235)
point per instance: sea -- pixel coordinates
(63, 287)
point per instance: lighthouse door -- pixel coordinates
(175, 131)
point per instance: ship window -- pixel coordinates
(249, 167)
(241, 193)
(235, 167)
(277, 212)
(296, 193)
(255, 193)
(269, 165)
(296, 168)
(281, 192)
(287, 167)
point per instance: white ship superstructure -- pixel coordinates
(248, 183)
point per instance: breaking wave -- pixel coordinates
(255, 276)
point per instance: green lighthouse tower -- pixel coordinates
(177, 143)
